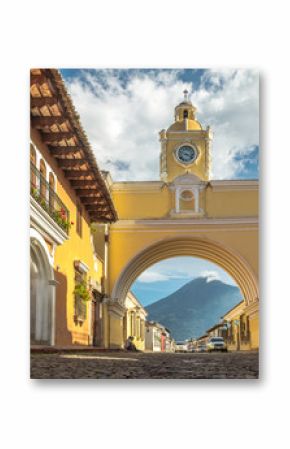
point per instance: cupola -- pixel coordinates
(185, 115)
(185, 145)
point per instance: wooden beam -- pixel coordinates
(39, 102)
(69, 163)
(102, 218)
(38, 79)
(97, 210)
(84, 183)
(76, 174)
(87, 192)
(64, 151)
(39, 122)
(56, 137)
(98, 214)
(101, 207)
(92, 207)
(91, 199)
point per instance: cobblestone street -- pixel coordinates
(124, 365)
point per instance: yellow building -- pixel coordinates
(134, 321)
(184, 214)
(67, 194)
(80, 283)
(242, 327)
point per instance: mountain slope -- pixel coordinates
(195, 307)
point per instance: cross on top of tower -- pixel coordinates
(185, 92)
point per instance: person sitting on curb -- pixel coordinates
(129, 345)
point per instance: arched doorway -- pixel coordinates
(226, 258)
(41, 292)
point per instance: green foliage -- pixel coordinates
(82, 291)
(61, 220)
(59, 216)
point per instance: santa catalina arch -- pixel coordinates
(185, 213)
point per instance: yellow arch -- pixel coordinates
(226, 258)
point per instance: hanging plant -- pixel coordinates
(82, 291)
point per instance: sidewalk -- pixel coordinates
(42, 349)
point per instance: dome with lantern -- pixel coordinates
(185, 116)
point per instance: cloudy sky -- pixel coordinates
(122, 112)
(164, 278)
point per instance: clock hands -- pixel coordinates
(186, 154)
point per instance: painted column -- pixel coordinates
(177, 200)
(196, 200)
(52, 285)
(106, 261)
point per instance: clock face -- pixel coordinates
(186, 154)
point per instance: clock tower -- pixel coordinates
(185, 145)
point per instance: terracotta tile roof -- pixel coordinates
(54, 115)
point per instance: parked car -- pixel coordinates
(216, 344)
(201, 348)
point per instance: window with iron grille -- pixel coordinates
(80, 304)
(44, 194)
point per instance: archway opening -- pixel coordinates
(187, 295)
(223, 257)
(41, 295)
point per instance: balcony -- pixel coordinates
(48, 213)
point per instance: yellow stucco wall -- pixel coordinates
(229, 218)
(251, 313)
(134, 321)
(232, 203)
(142, 203)
(135, 201)
(199, 168)
(76, 248)
(128, 241)
(116, 331)
(254, 331)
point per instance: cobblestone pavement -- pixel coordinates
(124, 365)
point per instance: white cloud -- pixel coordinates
(210, 275)
(232, 111)
(123, 123)
(162, 274)
(152, 276)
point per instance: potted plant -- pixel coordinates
(82, 291)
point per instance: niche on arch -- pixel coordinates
(186, 200)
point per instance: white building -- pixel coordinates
(153, 336)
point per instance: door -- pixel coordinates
(40, 304)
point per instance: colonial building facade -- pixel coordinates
(67, 194)
(90, 238)
(134, 321)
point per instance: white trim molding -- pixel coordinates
(238, 184)
(81, 266)
(187, 183)
(46, 262)
(116, 308)
(137, 186)
(44, 224)
(187, 222)
(205, 221)
(179, 161)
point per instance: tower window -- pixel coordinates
(185, 114)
